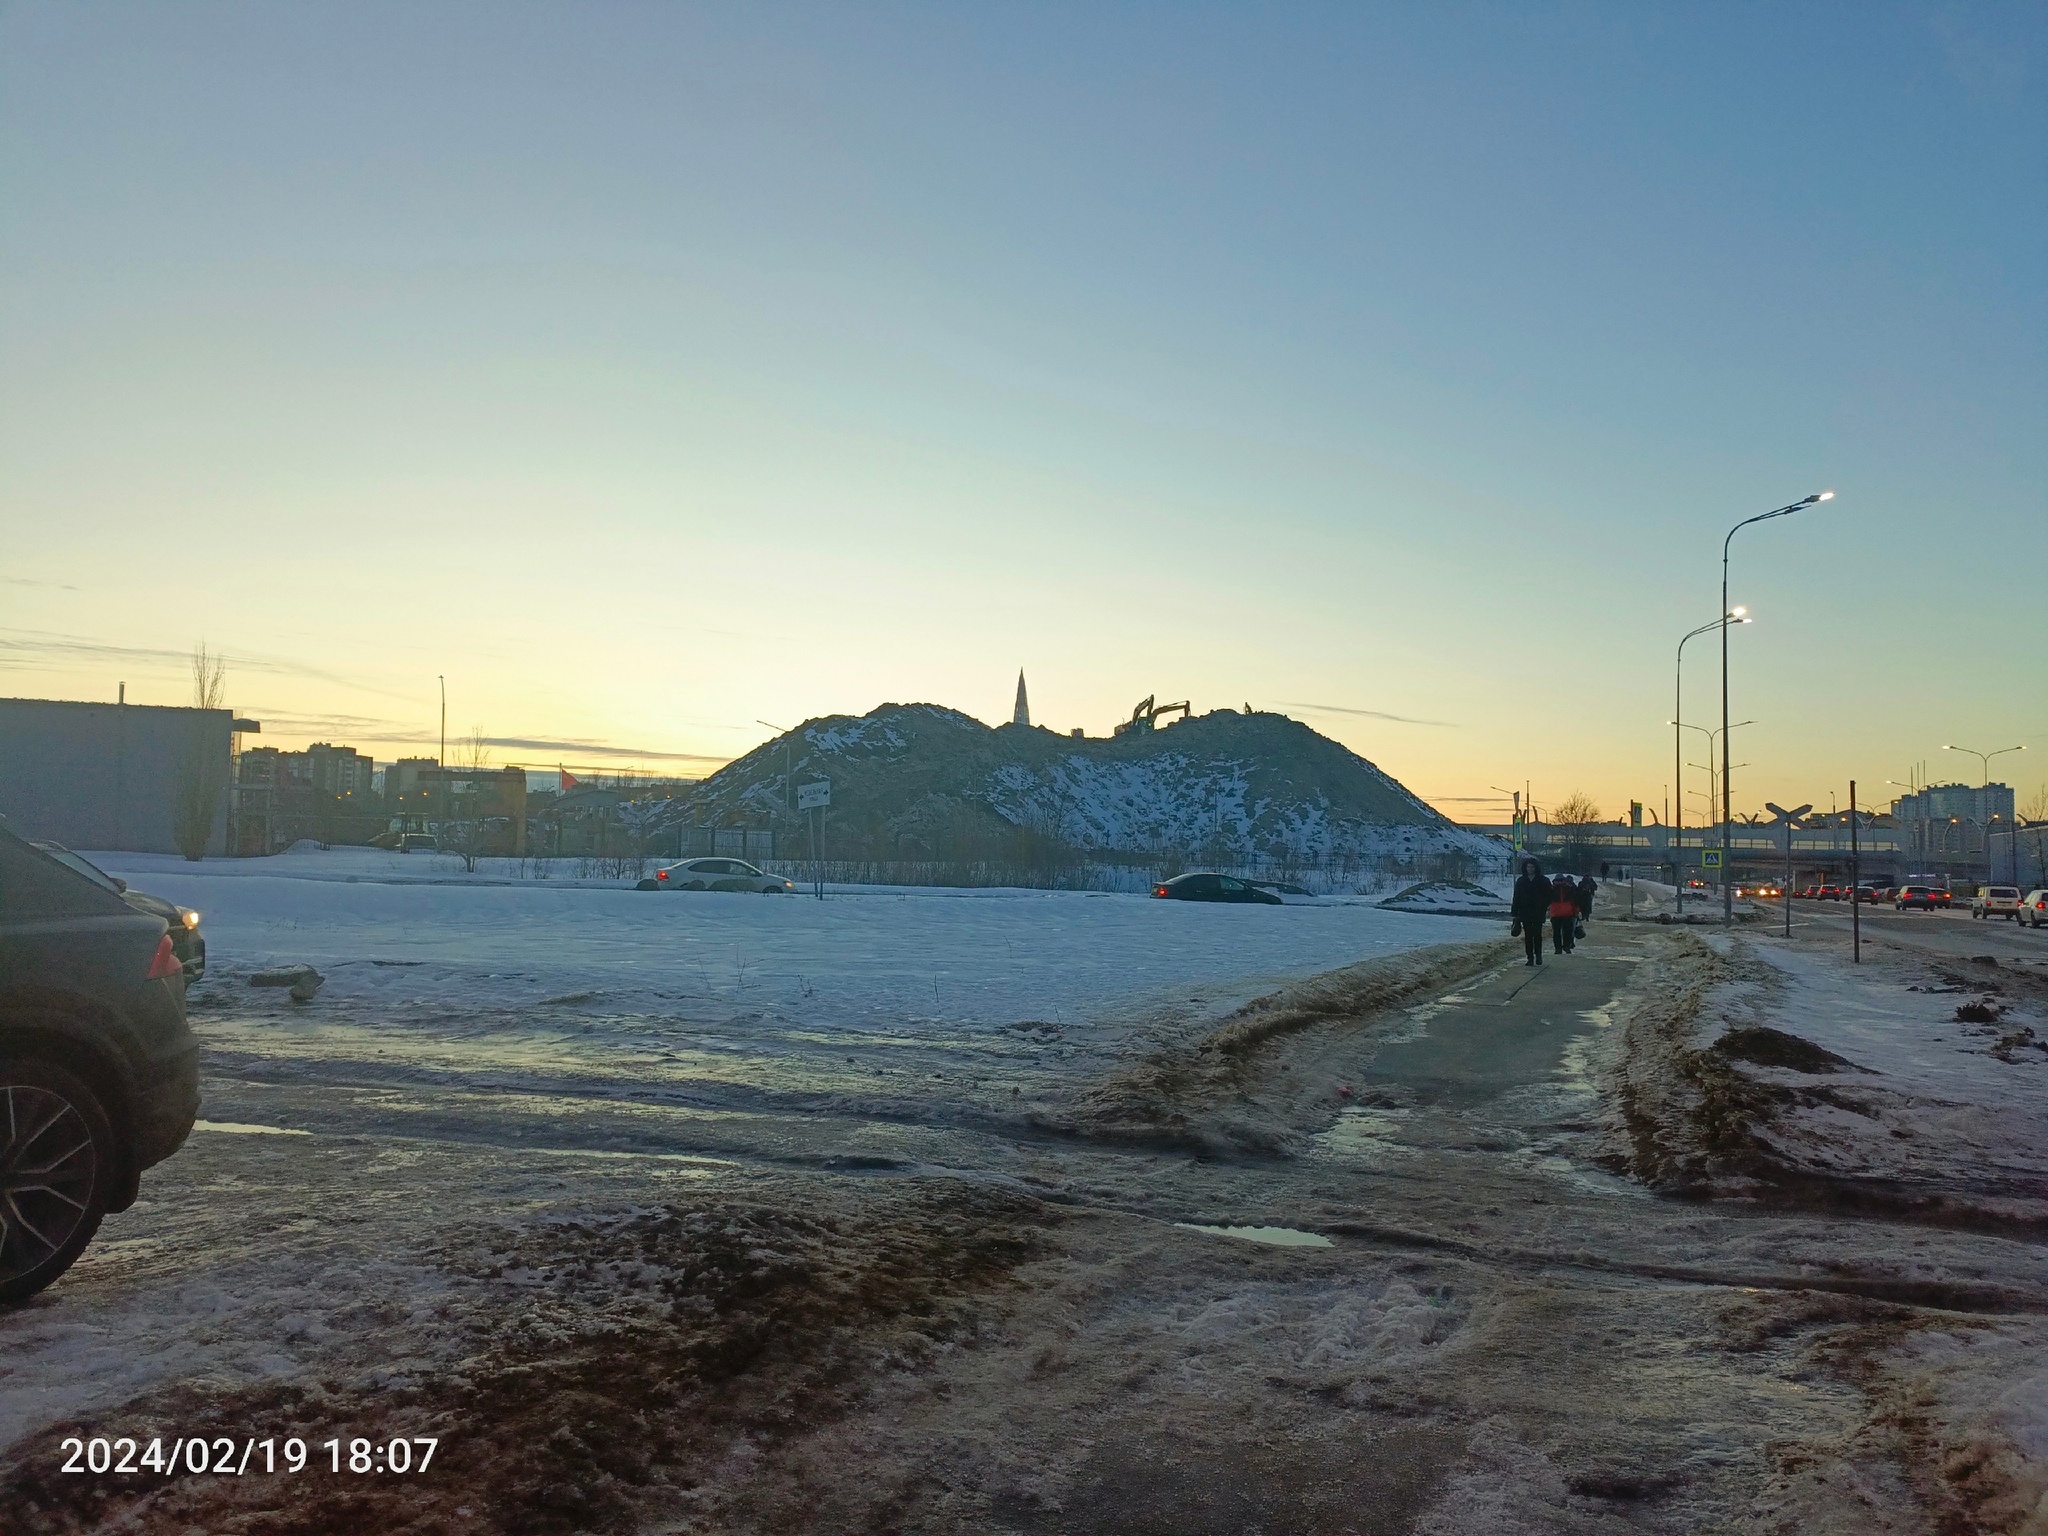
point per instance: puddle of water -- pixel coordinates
(1364, 1133)
(231, 1128)
(1416, 1019)
(1590, 1181)
(657, 1157)
(1277, 1237)
(1575, 1068)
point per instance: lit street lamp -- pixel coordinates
(1983, 757)
(1727, 890)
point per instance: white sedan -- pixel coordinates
(717, 875)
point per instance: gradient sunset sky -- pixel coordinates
(652, 371)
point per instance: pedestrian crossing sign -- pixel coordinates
(1635, 813)
(1710, 858)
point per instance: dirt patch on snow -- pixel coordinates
(1763, 1046)
(1740, 1114)
(597, 1364)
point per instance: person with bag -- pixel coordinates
(1530, 906)
(1587, 886)
(1564, 913)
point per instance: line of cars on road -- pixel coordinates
(1989, 901)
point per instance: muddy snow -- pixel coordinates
(1017, 1212)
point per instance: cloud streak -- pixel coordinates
(1368, 714)
(35, 647)
(600, 749)
(568, 748)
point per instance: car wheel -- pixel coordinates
(57, 1159)
(648, 885)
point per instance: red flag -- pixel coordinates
(568, 779)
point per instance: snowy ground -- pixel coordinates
(1018, 1212)
(776, 994)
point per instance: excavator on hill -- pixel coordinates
(1147, 714)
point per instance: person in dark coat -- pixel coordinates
(1587, 886)
(1564, 913)
(1530, 907)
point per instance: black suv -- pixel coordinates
(99, 1072)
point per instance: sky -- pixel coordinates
(651, 372)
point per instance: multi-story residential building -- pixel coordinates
(338, 772)
(1947, 825)
(403, 794)
(1980, 804)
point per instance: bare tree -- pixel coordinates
(465, 831)
(203, 776)
(1575, 816)
(2036, 808)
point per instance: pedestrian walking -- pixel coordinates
(1531, 905)
(1564, 913)
(1587, 886)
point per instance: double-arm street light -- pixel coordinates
(1739, 616)
(1991, 869)
(1727, 889)
(1983, 757)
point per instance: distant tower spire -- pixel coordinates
(1023, 714)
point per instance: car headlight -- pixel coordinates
(191, 919)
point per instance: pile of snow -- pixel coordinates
(1449, 898)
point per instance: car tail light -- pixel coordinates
(166, 962)
(1158, 890)
(661, 874)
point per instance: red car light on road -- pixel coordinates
(1158, 890)
(166, 962)
(661, 874)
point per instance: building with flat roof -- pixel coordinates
(131, 777)
(1981, 804)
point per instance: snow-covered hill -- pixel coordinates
(924, 781)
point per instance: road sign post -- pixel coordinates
(1855, 880)
(1635, 825)
(815, 797)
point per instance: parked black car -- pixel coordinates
(99, 1072)
(183, 922)
(1208, 887)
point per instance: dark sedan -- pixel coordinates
(186, 941)
(1208, 887)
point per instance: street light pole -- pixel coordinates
(1983, 757)
(1727, 890)
(1741, 616)
(1990, 869)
